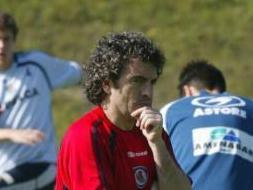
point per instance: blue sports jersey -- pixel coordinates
(212, 139)
(25, 103)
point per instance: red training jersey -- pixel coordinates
(97, 155)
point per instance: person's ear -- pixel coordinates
(187, 90)
(106, 87)
(190, 90)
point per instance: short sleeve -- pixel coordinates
(77, 165)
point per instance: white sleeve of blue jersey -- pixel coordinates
(61, 72)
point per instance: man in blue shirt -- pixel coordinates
(211, 130)
(27, 81)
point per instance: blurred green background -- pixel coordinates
(218, 30)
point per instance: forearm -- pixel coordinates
(169, 175)
(21, 136)
(5, 134)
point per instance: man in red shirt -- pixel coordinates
(117, 145)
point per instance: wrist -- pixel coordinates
(157, 142)
(6, 134)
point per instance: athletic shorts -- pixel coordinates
(29, 176)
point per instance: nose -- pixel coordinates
(1, 43)
(147, 90)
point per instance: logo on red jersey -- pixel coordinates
(131, 154)
(141, 176)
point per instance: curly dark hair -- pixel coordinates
(9, 23)
(112, 53)
(201, 74)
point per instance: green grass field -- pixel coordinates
(218, 30)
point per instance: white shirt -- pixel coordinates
(25, 102)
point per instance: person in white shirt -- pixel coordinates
(27, 136)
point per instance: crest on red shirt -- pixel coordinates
(141, 176)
